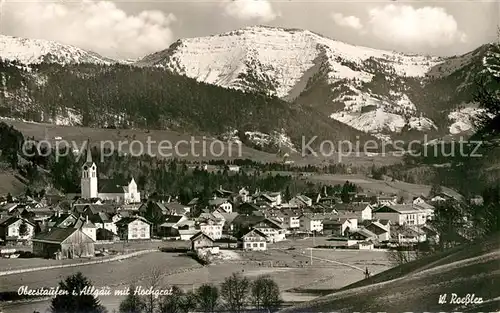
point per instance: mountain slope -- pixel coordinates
(380, 92)
(152, 98)
(34, 51)
(386, 94)
(416, 286)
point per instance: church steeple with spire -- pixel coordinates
(89, 176)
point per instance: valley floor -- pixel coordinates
(298, 283)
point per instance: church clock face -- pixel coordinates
(85, 168)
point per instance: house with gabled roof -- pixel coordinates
(272, 199)
(134, 228)
(62, 220)
(220, 204)
(201, 240)
(87, 227)
(407, 234)
(16, 229)
(363, 234)
(228, 218)
(187, 229)
(361, 211)
(63, 243)
(301, 201)
(400, 214)
(382, 231)
(170, 226)
(103, 220)
(272, 229)
(210, 224)
(339, 226)
(254, 240)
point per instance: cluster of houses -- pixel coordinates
(69, 228)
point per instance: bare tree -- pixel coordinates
(207, 296)
(154, 280)
(234, 292)
(265, 293)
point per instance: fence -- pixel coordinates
(50, 267)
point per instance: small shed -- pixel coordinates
(201, 240)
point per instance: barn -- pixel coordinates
(63, 243)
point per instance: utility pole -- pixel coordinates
(311, 250)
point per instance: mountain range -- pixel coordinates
(371, 92)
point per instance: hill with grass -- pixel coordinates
(417, 286)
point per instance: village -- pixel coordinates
(105, 216)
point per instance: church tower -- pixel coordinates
(89, 176)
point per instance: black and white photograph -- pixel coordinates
(249, 156)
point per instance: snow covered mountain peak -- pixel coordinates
(288, 62)
(247, 57)
(34, 51)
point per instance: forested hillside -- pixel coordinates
(132, 97)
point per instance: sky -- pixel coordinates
(131, 29)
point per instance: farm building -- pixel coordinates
(63, 243)
(201, 240)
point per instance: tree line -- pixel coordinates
(235, 294)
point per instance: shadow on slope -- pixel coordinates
(416, 286)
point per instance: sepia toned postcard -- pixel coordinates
(264, 156)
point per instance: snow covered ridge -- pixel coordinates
(282, 61)
(278, 139)
(282, 54)
(34, 51)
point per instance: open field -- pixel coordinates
(81, 134)
(188, 274)
(368, 184)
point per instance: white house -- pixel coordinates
(16, 229)
(401, 214)
(103, 220)
(221, 204)
(93, 187)
(273, 231)
(134, 228)
(254, 240)
(361, 211)
(272, 199)
(339, 226)
(408, 234)
(87, 227)
(210, 225)
(291, 221)
(310, 222)
(244, 195)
